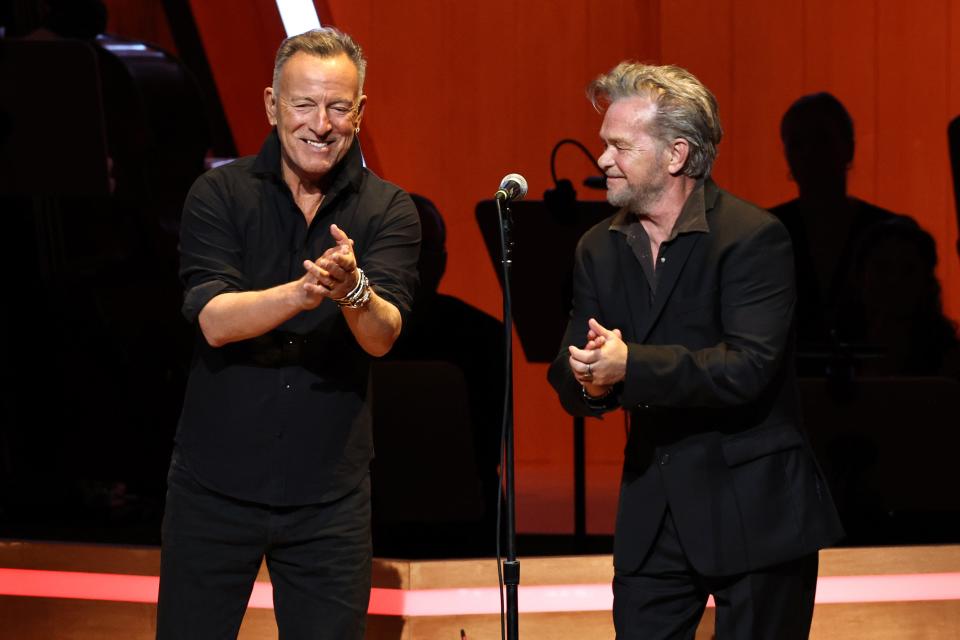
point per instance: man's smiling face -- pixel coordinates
(634, 161)
(316, 107)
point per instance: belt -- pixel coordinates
(275, 349)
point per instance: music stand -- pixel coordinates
(545, 237)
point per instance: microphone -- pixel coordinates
(512, 187)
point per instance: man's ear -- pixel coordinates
(361, 103)
(270, 105)
(679, 151)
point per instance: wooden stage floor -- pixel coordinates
(87, 592)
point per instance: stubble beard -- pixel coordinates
(639, 199)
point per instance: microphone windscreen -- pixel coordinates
(516, 183)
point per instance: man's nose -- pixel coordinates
(320, 122)
(605, 160)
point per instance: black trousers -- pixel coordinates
(665, 598)
(319, 558)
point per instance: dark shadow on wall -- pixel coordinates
(94, 349)
(438, 407)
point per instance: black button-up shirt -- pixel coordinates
(692, 219)
(283, 419)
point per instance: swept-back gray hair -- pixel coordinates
(326, 42)
(685, 108)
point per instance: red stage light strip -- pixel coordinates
(78, 585)
(443, 602)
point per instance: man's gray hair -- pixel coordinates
(326, 42)
(685, 108)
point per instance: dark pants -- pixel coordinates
(319, 557)
(665, 598)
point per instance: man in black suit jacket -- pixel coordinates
(682, 314)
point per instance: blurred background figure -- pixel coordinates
(887, 487)
(435, 492)
(95, 356)
(870, 321)
(897, 305)
(824, 222)
(81, 19)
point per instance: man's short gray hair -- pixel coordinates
(326, 42)
(685, 108)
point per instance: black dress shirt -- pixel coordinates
(283, 419)
(692, 218)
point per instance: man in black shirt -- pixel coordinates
(298, 264)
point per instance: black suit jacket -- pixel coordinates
(715, 431)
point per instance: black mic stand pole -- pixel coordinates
(511, 566)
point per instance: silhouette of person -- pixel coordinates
(895, 310)
(85, 20)
(824, 222)
(96, 443)
(898, 304)
(155, 133)
(447, 329)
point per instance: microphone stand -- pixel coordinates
(511, 566)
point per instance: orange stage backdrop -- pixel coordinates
(463, 92)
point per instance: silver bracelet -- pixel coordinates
(359, 296)
(356, 289)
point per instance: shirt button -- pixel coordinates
(664, 458)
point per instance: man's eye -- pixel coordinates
(340, 109)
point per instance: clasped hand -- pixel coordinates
(602, 362)
(334, 274)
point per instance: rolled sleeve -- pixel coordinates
(390, 260)
(211, 255)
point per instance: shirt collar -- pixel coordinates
(347, 172)
(693, 216)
